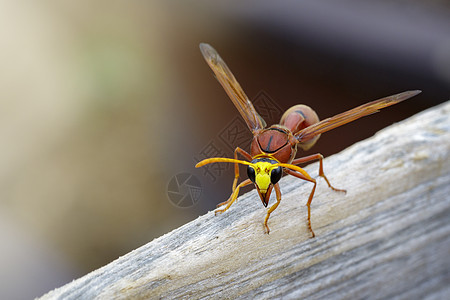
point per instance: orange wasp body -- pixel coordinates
(273, 149)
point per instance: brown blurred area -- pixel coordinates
(103, 102)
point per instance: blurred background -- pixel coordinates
(105, 107)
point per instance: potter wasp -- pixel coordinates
(273, 149)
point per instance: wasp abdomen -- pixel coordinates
(299, 117)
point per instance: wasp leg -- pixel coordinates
(308, 204)
(321, 173)
(233, 196)
(236, 165)
(273, 207)
(236, 171)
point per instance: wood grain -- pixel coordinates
(389, 236)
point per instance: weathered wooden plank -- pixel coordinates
(388, 237)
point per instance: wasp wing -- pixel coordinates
(351, 115)
(232, 88)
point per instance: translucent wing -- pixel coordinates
(232, 87)
(351, 115)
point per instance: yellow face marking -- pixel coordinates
(262, 171)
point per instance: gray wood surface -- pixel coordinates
(388, 237)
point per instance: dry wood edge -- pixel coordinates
(388, 236)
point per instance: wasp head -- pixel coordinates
(264, 173)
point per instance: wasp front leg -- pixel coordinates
(233, 197)
(236, 171)
(236, 165)
(273, 207)
(321, 173)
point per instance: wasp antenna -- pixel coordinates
(220, 159)
(294, 168)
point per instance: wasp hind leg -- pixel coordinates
(321, 173)
(308, 204)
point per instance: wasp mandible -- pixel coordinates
(273, 149)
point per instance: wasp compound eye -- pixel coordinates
(275, 175)
(251, 173)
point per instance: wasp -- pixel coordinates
(273, 149)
